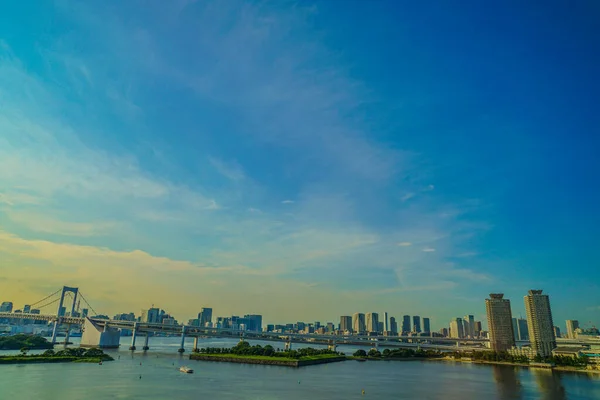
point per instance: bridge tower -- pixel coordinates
(288, 344)
(59, 312)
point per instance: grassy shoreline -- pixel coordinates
(267, 360)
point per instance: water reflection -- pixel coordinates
(549, 384)
(507, 381)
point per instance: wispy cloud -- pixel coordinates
(287, 202)
(231, 170)
(405, 244)
(428, 250)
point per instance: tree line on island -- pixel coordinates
(397, 353)
(245, 349)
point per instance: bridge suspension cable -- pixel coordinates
(48, 304)
(88, 304)
(46, 298)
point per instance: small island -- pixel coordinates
(25, 343)
(398, 354)
(244, 353)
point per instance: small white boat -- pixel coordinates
(187, 370)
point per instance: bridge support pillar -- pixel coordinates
(133, 337)
(146, 340)
(288, 345)
(181, 348)
(54, 329)
(196, 349)
(67, 335)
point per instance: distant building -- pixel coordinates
(380, 327)
(417, 324)
(426, 326)
(406, 324)
(386, 322)
(478, 329)
(317, 325)
(6, 307)
(372, 321)
(557, 332)
(393, 326)
(151, 316)
(346, 323)
(500, 322)
(253, 322)
(124, 317)
(330, 327)
(572, 324)
(84, 312)
(204, 316)
(456, 329)
(539, 323)
(358, 323)
(469, 326)
(522, 328)
(444, 332)
(515, 329)
(26, 308)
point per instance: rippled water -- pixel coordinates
(160, 379)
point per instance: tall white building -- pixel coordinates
(358, 323)
(456, 328)
(372, 321)
(572, 324)
(539, 323)
(500, 323)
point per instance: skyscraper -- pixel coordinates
(372, 320)
(515, 329)
(469, 325)
(386, 322)
(7, 307)
(539, 323)
(205, 316)
(500, 323)
(456, 329)
(426, 326)
(477, 330)
(346, 323)
(572, 324)
(358, 323)
(405, 324)
(393, 326)
(417, 324)
(522, 327)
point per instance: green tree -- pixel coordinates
(360, 353)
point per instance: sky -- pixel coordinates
(301, 159)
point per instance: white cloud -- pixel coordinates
(405, 244)
(407, 196)
(428, 250)
(231, 170)
(287, 202)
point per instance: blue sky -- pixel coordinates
(301, 159)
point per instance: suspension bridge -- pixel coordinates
(102, 332)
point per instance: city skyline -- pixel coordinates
(274, 159)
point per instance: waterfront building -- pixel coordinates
(426, 326)
(539, 323)
(406, 324)
(372, 321)
(358, 323)
(417, 324)
(500, 322)
(572, 324)
(393, 326)
(346, 323)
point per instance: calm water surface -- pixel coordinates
(160, 379)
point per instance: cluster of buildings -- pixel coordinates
(464, 328)
(370, 324)
(538, 329)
